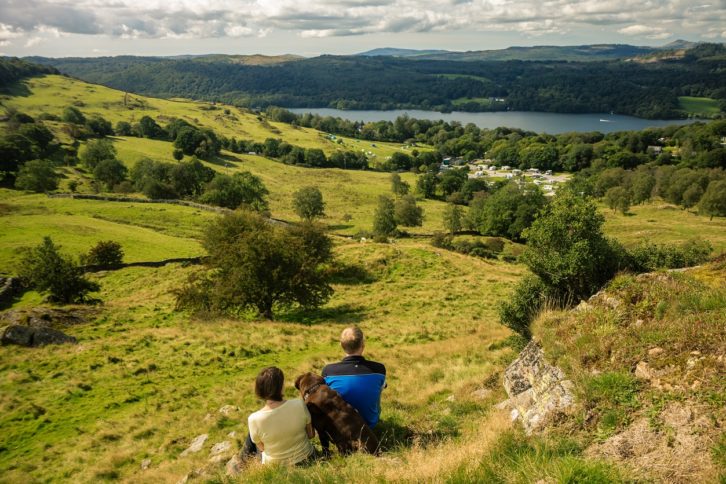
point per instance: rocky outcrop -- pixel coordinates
(40, 326)
(42, 317)
(34, 336)
(537, 390)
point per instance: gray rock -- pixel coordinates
(220, 447)
(234, 466)
(145, 464)
(228, 410)
(196, 445)
(34, 336)
(42, 317)
(537, 390)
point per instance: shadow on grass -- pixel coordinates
(350, 274)
(339, 227)
(344, 314)
(392, 435)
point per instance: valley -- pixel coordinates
(146, 377)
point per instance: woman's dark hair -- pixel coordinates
(268, 385)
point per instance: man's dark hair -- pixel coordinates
(268, 385)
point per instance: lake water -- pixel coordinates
(551, 123)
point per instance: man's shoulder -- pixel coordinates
(376, 366)
(357, 367)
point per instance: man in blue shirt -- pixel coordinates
(357, 380)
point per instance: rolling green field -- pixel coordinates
(661, 222)
(146, 379)
(52, 94)
(699, 105)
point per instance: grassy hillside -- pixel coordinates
(145, 380)
(647, 361)
(51, 94)
(661, 222)
(702, 106)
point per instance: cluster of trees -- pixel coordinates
(702, 188)
(295, 155)
(13, 69)
(29, 152)
(192, 180)
(356, 82)
(697, 145)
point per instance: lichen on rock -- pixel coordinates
(537, 390)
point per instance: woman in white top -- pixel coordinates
(282, 429)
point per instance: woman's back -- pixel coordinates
(282, 431)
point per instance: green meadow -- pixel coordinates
(699, 105)
(52, 94)
(146, 379)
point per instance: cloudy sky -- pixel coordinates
(169, 27)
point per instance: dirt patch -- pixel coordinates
(670, 448)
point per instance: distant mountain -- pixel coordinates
(580, 53)
(636, 85)
(585, 53)
(393, 52)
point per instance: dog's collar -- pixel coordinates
(311, 390)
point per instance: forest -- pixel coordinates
(633, 87)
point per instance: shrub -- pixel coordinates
(73, 115)
(713, 202)
(37, 176)
(567, 249)
(96, 151)
(105, 253)
(407, 212)
(649, 257)
(527, 299)
(236, 190)
(45, 269)
(111, 172)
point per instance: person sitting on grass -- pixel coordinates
(282, 429)
(359, 381)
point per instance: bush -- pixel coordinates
(96, 151)
(567, 249)
(407, 212)
(255, 264)
(105, 253)
(236, 190)
(111, 172)
(649, 257)
(37, 176)
(526, 301)
(46, 270)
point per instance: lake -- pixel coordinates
(552, 123)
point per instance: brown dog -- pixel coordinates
(333, 418)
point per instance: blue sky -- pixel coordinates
(155, 27)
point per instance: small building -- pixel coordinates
(656, 150)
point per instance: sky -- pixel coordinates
(62, 28)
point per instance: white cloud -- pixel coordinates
(209, 19)
(639, 30)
